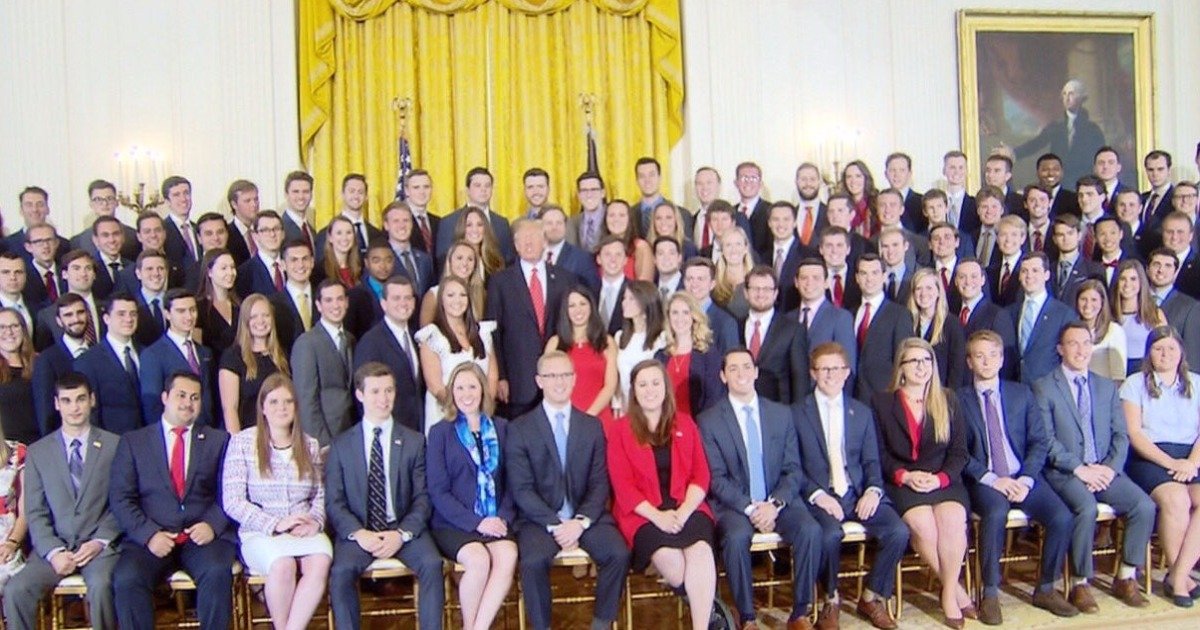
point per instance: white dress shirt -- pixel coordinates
(765, 324)
(875, 303)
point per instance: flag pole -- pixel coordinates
(402, 106)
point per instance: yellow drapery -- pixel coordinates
(494, 83)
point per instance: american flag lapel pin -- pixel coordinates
(96, 443)
(679, 434)
(398, 442)
(199, 435)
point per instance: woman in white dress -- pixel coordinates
(640, 336)
(454, 337)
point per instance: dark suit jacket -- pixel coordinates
(896, 446)
(726, 335)
(237, 244)
(789, 297)
(104, 284)
(177, 276)
(293, 231)
(914, 212)
(951, 352)
(346, 482)
(451, 477)
(140, 493)
(1065, 202)
(423, 263)
(379, 344)
(162, 359)
(968, 216)
(254, 277)
(760, 232)
(373, 233)
(581, 265)
(129, 250)
(16, 243)
(418, 238)
(363, 309)
(1183, 313)
(617, 321)
(149, 328)
(705, 387)
(48, 366)
(539, 482)
(889, 327)
(177, 250)
(1041, 355)
(35, 294)
(729, 462)
(118, 406)
(445, 234)
(1023, 428)
(1188, 278)
(782, 361)
(1060, 413)
(46, 330)
(288, 325)
(1065, 289)
(861, 447)
(903, 286)
(517, 341)
(989, 316)
(831, 323)
(57, 514)
(1012, 290)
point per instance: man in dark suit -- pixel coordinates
(243, 204)
(1007, 447)
(1050, 176)
(1072, 267)
(751, 205)
(35, 209)
(418, 191)
(936, 208)
(13, 280)
(564, 255)
(1038, 318)
(1156, 203)
(880, 325)
(214, 234)
(1138, 238)
(1003, 286)
(890, 212)
(898, 171)
(54, 362)
(102, 201)
(297, 190)
(1106, 166)
(1038, 229)
(1073, 135)
(820, 320)
(648, 173)
(150, 291)
(165, 491)
(837, 254)
(112, 367)
(296, 305)
(354, 199)
(524, 300)
(182, 243)
(668, 266)
(772, 339)
(945, 254)
(363, 301)
(322, 361)
(699, 280)
(390, 342)
(79, 270)
(997, 172)
(45, 278)
(108, 241)
(176, 351)
(844, 481)
(394, 524)
(410, 261)
(811, 216)
(754, 458)
(610, 258)
(962, 211)
(66, 482)
(557, 473)
(1109, 236)
(719, 219)
(898, 271)
(978, 312)
(1182, 311)
(1178, 236)
(785, 252)
(1086, 462)
(479, 195)
(153, 236)
(990, 209)
(262, 272)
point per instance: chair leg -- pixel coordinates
(899, 604)
(862, 563)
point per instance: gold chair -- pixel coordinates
(1107, 515)
(180, 583)
(1016, 520)
(70, 586)
(384, 569)
(575, 558)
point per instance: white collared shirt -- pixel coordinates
(739, 411)
(385, 441)
(749, 204)
(169, 439)
(1183, 256)
(670, 282)
(334, 330)
(119, 346)
(527, 269)
(298, 218)
(401, 333)
(300, 292)
(782, 247)
(765, 324)
(181, 343)
(555, 251)
(19, 306)
(76, 348)
(269, 261)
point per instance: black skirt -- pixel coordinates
(450, 540)
(905, 498)
(1149, 475)
(649, 538)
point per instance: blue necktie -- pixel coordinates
(1028, 321)
(758, 482)
(75, 464)
(1084, 401)
(560, 442)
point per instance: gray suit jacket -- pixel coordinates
(1056, 400)
(57, 516)
(324, 384)
(1183, 313)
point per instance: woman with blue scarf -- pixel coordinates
(472, 509)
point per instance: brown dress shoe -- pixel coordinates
(828, 619)
(800, 624)
(876, 612)
(1130, 593)
(1054, 602)
(989, 611)
(1081, 598)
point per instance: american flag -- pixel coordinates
(593, 164)
(405, 167)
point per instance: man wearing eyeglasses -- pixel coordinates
(263, 273)
(40, 251)
(586, 227)
(103, 202)
(748, 180)
(558, 475)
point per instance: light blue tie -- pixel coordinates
(560, 442)
(758, 483)
(1028, 319)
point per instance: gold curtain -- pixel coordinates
(494, 83)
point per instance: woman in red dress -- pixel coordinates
(581, 334)
(693, 364)
(639, 259)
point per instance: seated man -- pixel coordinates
(756, 480)
(66, 508)
(373, 525)
(1086, 463)
(1007, 446)
(840, 455)
(165, 492)
(562, 495)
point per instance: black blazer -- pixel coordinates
(760, 231)
(538, 481)
(363, 309)
(705, 387)
(288, 325)
(237, 245)
(1011, 290)
(729, 463)
(346, 482)
(177, 250)
(254, 277)
(140, 493)
(968, 216)
(895, 445)
(35, 294)
(889, 327)
(951, 352)
(861, 447)
(105, 284)
(989, 316)
(1023, 426)
(379, 344)
(789, 297)
(617, 321)
(914, 212)
(1065, 289)
(1188, 278)
(418, 237)
(782, 361)
(1065, 202)
(149, 327)
(581, 265)
(118, 407)
(517, 341)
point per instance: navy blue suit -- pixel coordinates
(35, 294)
(237, 243)
(863, 470)
(450, 475)
(143, 500)
(423, 263)
(789, 297)
(379, 344)
(254, 277)
(1011, 291)
(724, 327)
(705, 387)
(160, 361)
(831, 323)
(1025, 432)
(149, 327)
(1040, 356)
(782, 361)
(573, 259)
(518, 342)
(118, 406)
(105, 284)
(988, 316)
(48, 366)
(1066, 288)
(176, 249)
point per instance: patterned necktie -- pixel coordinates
(344, 347)
(754, 455)
(539, 301)
(51, 286)
(1148, 209)
(995, 435)
(778, 261)
(89, 328)
(1005, 276)
(1083, 400)
(376, 486)
(193, 362)
(75, 464)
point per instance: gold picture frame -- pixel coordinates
(1025, 60)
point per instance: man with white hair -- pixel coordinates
(1073, 136)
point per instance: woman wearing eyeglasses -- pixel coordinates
(923, 448)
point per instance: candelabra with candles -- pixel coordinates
(139, 173)
(835, 153)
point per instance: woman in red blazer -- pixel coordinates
(660, 477)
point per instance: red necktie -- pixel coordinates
(864, 325)
(707, 239)
(1089, 241)
(839, 291)
(1005, 274)
(539, 302)
(278, 276)
(307, 234)
(1037, 240)
(177, 463)
(51, 286)
(549, 256)
(89, 329)
(964, 315)
(745, 211)
(423, 225)
(756, 340)
(250, 244)
(945, 281)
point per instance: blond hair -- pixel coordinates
(937, 408)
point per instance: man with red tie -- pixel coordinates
(45, 283)
(835, 248)
(771, 338)
(263, 272)
(880, 325)
(1037, 206)
(810, 212)
(708, 187)
(164, 491)
(418, 190)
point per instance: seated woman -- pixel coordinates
(1108, 355)
(592, 351)
(923, 448)
(639, 258)
(12, 515)
(454, 338)
(245, 366)
(1162, 410)
(1134, 309)
(640, 335)
(693, 363)
(472, 508)
(341, 259)
(461, 263)
(933, 323)
(660, 478)
(272, 485)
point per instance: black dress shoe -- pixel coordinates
(1182, 601)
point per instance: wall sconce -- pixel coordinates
(140, 171)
